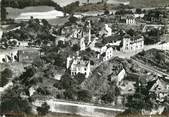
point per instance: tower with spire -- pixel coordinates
(89, 38)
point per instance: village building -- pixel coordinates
(77, 33)
(130, 20)
(108, 53)
(23, 43)
(136, 15)
(160, 87)
(28, 55)
(82, 44)
(78, 65)
(60, 40)
(87, 41)
(106, 31)
(118, 76)
(131, 44)
(8, 56)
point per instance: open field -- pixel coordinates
(135, 3)
(148, 3)
(66, 2)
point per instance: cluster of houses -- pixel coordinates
(105, 51)
(156, 85)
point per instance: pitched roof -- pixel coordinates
(160, 85)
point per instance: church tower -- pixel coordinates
(89, 38)
(82, 44)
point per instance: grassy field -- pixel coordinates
(135, 3)
(148, 3)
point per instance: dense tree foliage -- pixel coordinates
(72, 19)
(84, 95)
(76, 47)
(106, 12)
(26, 3)
(71, 8)
(11, 102)
(153, 36)
(123, 12)
(4, 77)
(44, 109)
(138, 11)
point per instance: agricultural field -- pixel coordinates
(148, 3)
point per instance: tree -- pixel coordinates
(140, 100)
(71, 94)
(26, 76)
(79, 78)
(43, 91)
(12, 102)
(3, 13)
(138, 11)
(72, 19)
(67, 81)
(71, 8)
(106, 12)
(44, 109)
(45, 22)
(108, 98)
(84, 95)
(76, 47)
(5, 75)
(131, 32)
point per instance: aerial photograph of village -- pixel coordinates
(84, 58)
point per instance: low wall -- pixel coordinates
(79, 109)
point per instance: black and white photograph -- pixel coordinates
(84, 58)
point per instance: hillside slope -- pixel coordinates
(100, 81)
(148, 3)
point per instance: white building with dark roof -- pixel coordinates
(131, 44)
(78, 65)
(130, 20)
(106, 31)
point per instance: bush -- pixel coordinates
(79, 78)
(44, 109)
(106, 12)
(84, 95)
(72, 19)
(11, 102)
(76, 47)
(5, 75)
